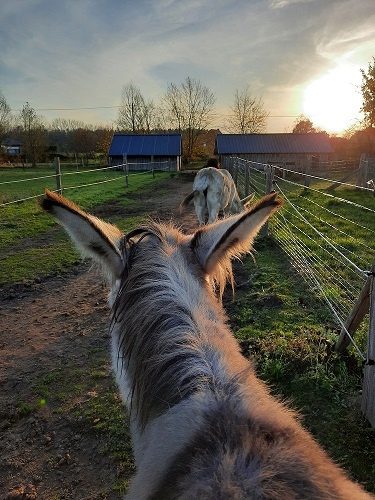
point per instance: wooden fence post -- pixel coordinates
(368, 393)
(269, 171)
(58, 175)
(363, 174)
(307, 172)
(360, 309)
(125, 168)
(361, 171)
(355, 318)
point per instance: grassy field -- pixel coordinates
(278, 322)
(328, 233)
(23, 224)
(291, 335)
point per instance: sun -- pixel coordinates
(333, 101)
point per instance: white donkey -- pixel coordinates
(215, 190)
(203, 426)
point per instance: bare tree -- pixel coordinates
(248, 113)
(131, 113)
(153, 118)
(33, 133)
(5, 114)
(61, 133)
(136, 114)
(66, 124)
(189, 107)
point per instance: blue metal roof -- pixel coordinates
(272, 143)
(145, 145)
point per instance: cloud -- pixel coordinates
(80, 54)
(278, 4)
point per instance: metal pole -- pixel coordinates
(269, 171)
(58, 175)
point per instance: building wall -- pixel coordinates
(169, 163)
(295, 162)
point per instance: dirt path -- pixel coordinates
(45, 453)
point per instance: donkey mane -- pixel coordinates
(163, 348)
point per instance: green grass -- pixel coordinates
(89, 398)
(290, 335)
(31, 243)
(333, 217)
(349, 227)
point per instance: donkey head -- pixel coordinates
(210, 246)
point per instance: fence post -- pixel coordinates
(368, 393)
(307, 172)
(235, 171)
(269, 171)
(355, 318)
(125, 168)
(58, 175)
(247, 180)
(361, 171)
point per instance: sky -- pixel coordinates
(71, 58)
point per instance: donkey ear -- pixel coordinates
(93, 237)
(233, 236)
(247, 201)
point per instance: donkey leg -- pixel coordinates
(213, 205)
(200, 207)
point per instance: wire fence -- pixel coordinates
(328, 236)
(326, 228)
(11, 191)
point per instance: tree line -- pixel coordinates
(41, 141)
(187, 108)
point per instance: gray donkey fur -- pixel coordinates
(203, 426)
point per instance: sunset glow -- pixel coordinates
(332, 102)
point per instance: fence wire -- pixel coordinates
(124, 167)
(327, 234)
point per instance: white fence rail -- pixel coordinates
(59, 177)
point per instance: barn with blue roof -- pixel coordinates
(283, 149)
(146, 151)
